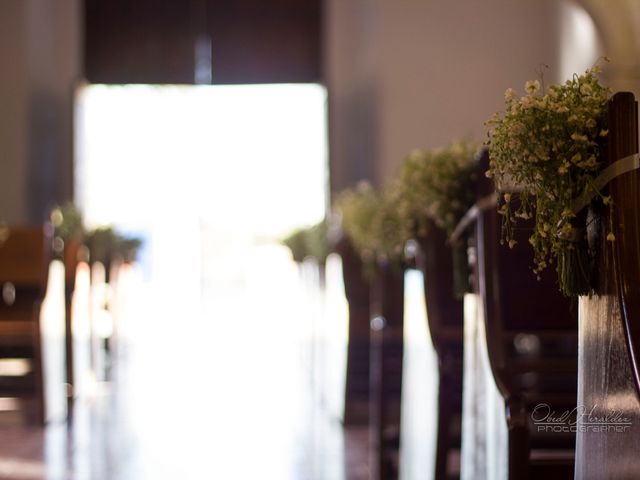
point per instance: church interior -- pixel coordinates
(319, 240)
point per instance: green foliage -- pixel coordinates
(297, 243)
(371, 221)
(105, 243)
(101, 243)
(545, 152)
(127, 247)
(309, 242)
(438, 186)
(317, 241)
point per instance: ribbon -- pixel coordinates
(617, 168)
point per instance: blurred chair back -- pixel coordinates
(358, 293)
(24, 259)
(445, 323)
(531, 340)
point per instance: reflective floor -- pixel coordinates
(237, 389)
(247, 385)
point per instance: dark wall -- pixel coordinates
(153, 41)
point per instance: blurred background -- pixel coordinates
(211, 129)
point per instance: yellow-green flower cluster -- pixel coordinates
(546, 145)
(370, 219)
(309, 242)
(433, 186)
(438, 186)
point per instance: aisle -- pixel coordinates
(228, 393)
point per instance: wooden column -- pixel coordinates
(531, 346)
(386, 370)
(445, 319)
(610, 322)
(357, 291)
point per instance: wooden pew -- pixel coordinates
(80, 333)
(24, 260)
(531, 345)
(608, 378)
(374, 357)
(445, 322)
(387, 308)
(71, 258)
(357, 291)
(99, 305)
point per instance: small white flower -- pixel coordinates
(532, 86)
(578, 137)
(510, 94)
(611, 237)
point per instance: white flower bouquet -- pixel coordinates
(370, 219)
(548, 142)
(438, 187)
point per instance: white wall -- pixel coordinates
(580, 42)
(13, 112)
(426, 72)
(40, 62)
(351, 65)
(618, 22)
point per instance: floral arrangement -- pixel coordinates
(105, 243)
(438, 186)
(128, 247)
(309, 242)
(370, 219)
(544, 153)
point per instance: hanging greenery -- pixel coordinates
(545, 151)
(309, 242)
(105, 244)
(370, 219)
(439, 186)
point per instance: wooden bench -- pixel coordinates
(609, 380)
(24, 259)
(445, 322)
(374, 357)
(357, 292)
(387, 347)
(531, 345)
(71, 258)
